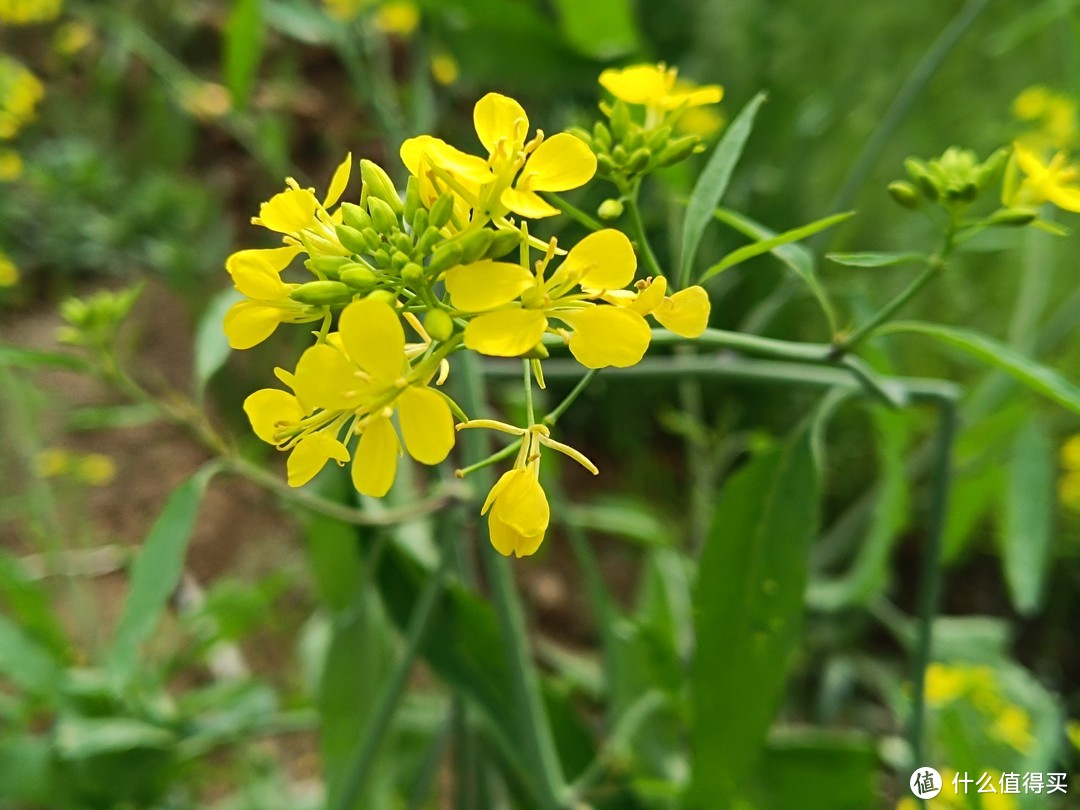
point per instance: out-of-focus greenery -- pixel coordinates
(161, 128)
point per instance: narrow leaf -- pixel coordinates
(875, 259)
(244, 40)
(1034, 375)
(713, 183)
(1027, 525)
(156, 573)
(748, 607)
(26, 663)
(747, 252)
(19, 357)
(211, 346)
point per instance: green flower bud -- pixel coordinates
(359, 277)
(322, 293)
(438, 324)
(610, 209)
(602, 137)
(620, 155)
(583, 135)
(402, 242)
(428, 239)
(412, 200)
(444, 257)
(419, 221)
(398, 260)
(354, 216)
(918, 172)
(442, 210)
(658, 140)
(639, 160)
(385, 296)
(620, 120)
(379, 186)
(412, 274)
(1014, 217)
(351, 238)
(904, 194)
(502, 243)
(992, 166)
(329, 266)
(537, 352)
(678, 150)
(383, 216)
(605, 165)
(635, 138)
(381, 257)
(475, 245)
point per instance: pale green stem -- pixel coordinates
(637, 228)
(573, 211)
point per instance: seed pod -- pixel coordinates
(445, 257)
(610, 209)
(329, 266)
(502, 243)
(359, 277)
(379, 186)
(351, 238)
(438, 324)
(1015, 217)
(322, 293)
(354, 216)
(904, 194)
(475, 245)
(678, 150)
(412, 200)
(383, 216)
(442, 210)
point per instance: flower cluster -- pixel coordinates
(25, 12)
(452, 262)
(20, 92)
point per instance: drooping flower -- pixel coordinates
(517, 306)
(657, 88)
(1057, 182)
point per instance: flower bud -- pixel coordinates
(398, 260)
(354, 216)
(605, 165)
(351, 238)
(620, 120)
(620, 155)
(602, 136)
(383, 216)
(537, 352)
(917, 172)
(438, 324)
(359, 277)
(412, 200)
(378, 185)
(381, 257)
(412, 274)
(678, 150)
(402, 242)
(1015, 217)
(658, 140)
(610, 209)
(583, 135)
(635, 139)
(475, 245)
(444, 257)
(904, 194)
(322, 293)
(385, 296)
(419, 221)
(639, 160)
(329, 266)
(442, 210)
(502, 243)
(428, 239)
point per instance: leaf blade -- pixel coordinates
(875, 259)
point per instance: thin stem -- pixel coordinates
(930, 586)
(529, 415)
(846, 343)
(553, 416)
(573, 211)
(637, 228)
(394, 688)
(494, 458)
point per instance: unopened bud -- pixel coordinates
(620, 120)
(385, 296)
(1016, 217)
(602, 136)
(322, 293)
(378, 184)
(328, 266)
(428, 239)
(475, 245)
(419, 221)
(412, 200)
(352, 239)
(639, 160)
(442, 210)
(359, 277)
(904, 194)
(502, 243)
(412, 274)
(658, 140)
(445, 257)
(610, 209)
(354, 216)
(438, 324)
(678, 150)
(383, 216)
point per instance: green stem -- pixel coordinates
(637, 228)
(553, 416)
(573, 211)
(394, 687)
(848, 342)
(534, 729)
(529, 415)
(930, 586)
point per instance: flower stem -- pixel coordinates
(637, 228)
(846, 343)
(529, 415)
(573, 211)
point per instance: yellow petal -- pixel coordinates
(486, 284)
(496, 116)
(694, 97)
(639, 84)
(1028, 160)
(290, 211)
(375, 465)
(267, 408)
(686, 313)
(326, 378)
(338, 181)
(522, 504)
(560, 163)
(603, 260)
(508, 540)
(507, 333)
(374, 338)
(1065, 198)
(435, 152)
(649, 298)
(607, 336)
(427, 424)
(528, 204)
(249, 323)
(500, 485)
(259, 283)
(260, 259)
(310, 456)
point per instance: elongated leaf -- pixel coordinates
(26, 601)
(1034, 375)
(156, 573)
(211, 345)
(19, 357)
(1027, 525)
(747, 252)
(820, 770)
(713, 182)
(748, 607)
(874, 259)
(244, 40)
(26, 663)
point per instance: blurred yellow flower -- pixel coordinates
(658, 89)
(1054, 116)
(9, 273)
(1012, 725)
(944, 684)
(206, 100)
(11, 165)
(398, 18)
(444, 68)
(1069, 485)
(1057, 182)
(22, 12)
(346, 9)
(95, 469)
(701, 121)
(72, 37)
(20, 92)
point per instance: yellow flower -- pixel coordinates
(658, 88)
(1054, 114)
(9, 273)
(95, 469)
(517, 304)
(257, 274)
(1056, 181)
(944, 684)
(206, 100)
(514, 171)
(360, 377)
(11, 165)
(72, 37)
(1012, 725)
(517, 508)
(298, 214)
(398, 17)
(20, 92)
(22, 12)
(686, 313)
(444, 68)
(346, 9)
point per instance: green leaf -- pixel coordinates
(245, 36)
(628, 518)
(1027, 530)
(875, 259)
(26, 663)
(820, 770)
(748, 607)
(26, 771)
(26, 600)
(19, 357)
(1034, 375)
(713, 183)
(603, 29)
(156, 573)
(211, 346)
(768, 245)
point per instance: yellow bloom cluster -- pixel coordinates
(95, 469)
(9, 273)
(452, 261)
(1053, 117)
(20, 92)
(1041, 168)
(980, 686)
(22, 12)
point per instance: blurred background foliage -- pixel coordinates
(161, 128)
